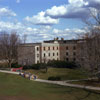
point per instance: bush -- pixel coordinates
(62, 64)
(54, 63)
(15, 65)
(25, 67)
(35, 66)
(56, 78)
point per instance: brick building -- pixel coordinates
(32, 53)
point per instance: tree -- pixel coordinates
(8, 46)
(24, 38)
(89, 46)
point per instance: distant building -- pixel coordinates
(32, 53)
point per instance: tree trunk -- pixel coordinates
(98, 79)
(46, 69)
(9, 63)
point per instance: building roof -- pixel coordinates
(61, 41)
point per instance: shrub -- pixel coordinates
(25, 67)
(56, 78)
(15, 65)
(35, 66)
(62, 64)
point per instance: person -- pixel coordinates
(34, 77)
(31, 77)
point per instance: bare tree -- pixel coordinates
(24, 38)
(8, 46)
(89, 46)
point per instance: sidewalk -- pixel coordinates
(10, 72)
(64, 83)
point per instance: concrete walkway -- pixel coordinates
(10, 72)
(63, 83)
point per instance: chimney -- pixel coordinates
(56, 39)
(62, 39)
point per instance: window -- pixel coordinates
(37, 48)
(49, 54)
(82, 59)
(74, 59)
(53, 54)
(37, 61)
(57, 53)
(67, 53)
(74, 48)
(53, 48)
(74, 53)
(44, 54)
(44, 48)
(48, 48)
(67, 59)
(37, 55)
(67, 48)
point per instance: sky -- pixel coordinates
(46, 19)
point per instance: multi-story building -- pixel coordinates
(29, 53)
(32, 53)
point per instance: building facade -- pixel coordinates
(33, 53)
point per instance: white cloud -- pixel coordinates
(78, 2)
(41, 33)
(41, 19)
(8, 26)
(74, 9)
(68, 33)
(61, 10)
(6, 12)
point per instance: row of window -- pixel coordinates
(49, 48)
(45, 60)
(74, 48)
(67, 59)
(55, 48)
(49, 54)
(67, 53)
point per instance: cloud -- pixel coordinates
(65, 11)
(6, 12)
(17, 1)
(93, 3)
(41, 19)
(74, 9)
(68, 33)
(33, 34)
(41, 33)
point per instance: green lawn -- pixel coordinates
(64, 73)
(13, 87)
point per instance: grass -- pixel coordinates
(64, 73)
(13, 87)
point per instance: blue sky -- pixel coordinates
(45, 19)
